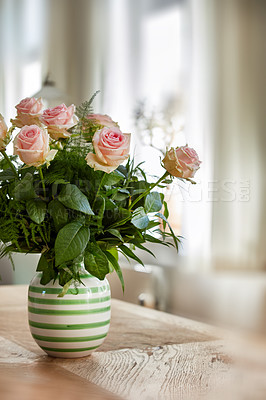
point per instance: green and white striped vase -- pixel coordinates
(74, 325)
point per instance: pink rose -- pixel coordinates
(182, 162)
(28, 112)
(3, 133)
(102, 119)
(32, 145)
(111, 147)
(59, 119)
(30, 105)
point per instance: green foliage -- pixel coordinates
(58, 213)
(140, 219)
(113, 261)
(70, 242)
(85, 128)
(71, 197)
(86, 107)
(46, 267)
(129, 253)
(24, 189)
(153, 202)
(73, 214)
(7, 175)
(95, 260)
(36, 209)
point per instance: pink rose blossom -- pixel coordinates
(111, 147)
(59, 119)
(30, 105)
(32, 145)
(182, 162)
(28, 112)
(103, 119)
(3, 133)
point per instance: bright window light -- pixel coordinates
(31, 78)
(161, 53)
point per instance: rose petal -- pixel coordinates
(94, 163)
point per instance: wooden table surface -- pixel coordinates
(146, 355)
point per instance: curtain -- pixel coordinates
(228, 113)
(23, 29)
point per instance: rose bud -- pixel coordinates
(58, 120)
(3, 133)
(32, 145)
(111, 147)
(182, 162)
(28, 112)
(103, 120)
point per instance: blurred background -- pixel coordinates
(172, 72)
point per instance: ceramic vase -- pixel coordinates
(74, 325)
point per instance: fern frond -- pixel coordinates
(85, 108)
(24, 226)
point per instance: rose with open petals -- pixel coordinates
(30, 105)
(182, 162)
(102, 119)
(32, 145)
(111, 147)
(3, 133)
(28, 112)
(58, 120)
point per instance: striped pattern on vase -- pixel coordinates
(71, 326)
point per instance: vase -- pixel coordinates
(74, 325)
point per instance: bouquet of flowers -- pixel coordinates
(66, 195)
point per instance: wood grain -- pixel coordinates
(147, 355)
(172, 371)
(26, 376)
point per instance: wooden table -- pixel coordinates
(147, 355)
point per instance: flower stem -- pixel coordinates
(10, 163)
(42, 180)
(98, 190)
(149, 189)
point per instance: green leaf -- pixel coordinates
(95, 260)
(153, 202)
(46, 267)
(143, 248)
(24, 189)
(70, 242)
(114, 252)
(165, 213)
(112, 178)
(7, 175)
(121, 195)
(139, 187)
(36, 209)
(100, 207)
(123, 170)
(4, 164)
(118, 217)
(109, 204)
(153, 224)
(160, 215)
(139, 219)
(152, 239)
(65, 288)
(116, 266)
(116, 233)
(59, 214)
(65, 274)
(130, 254)
(73, 198)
